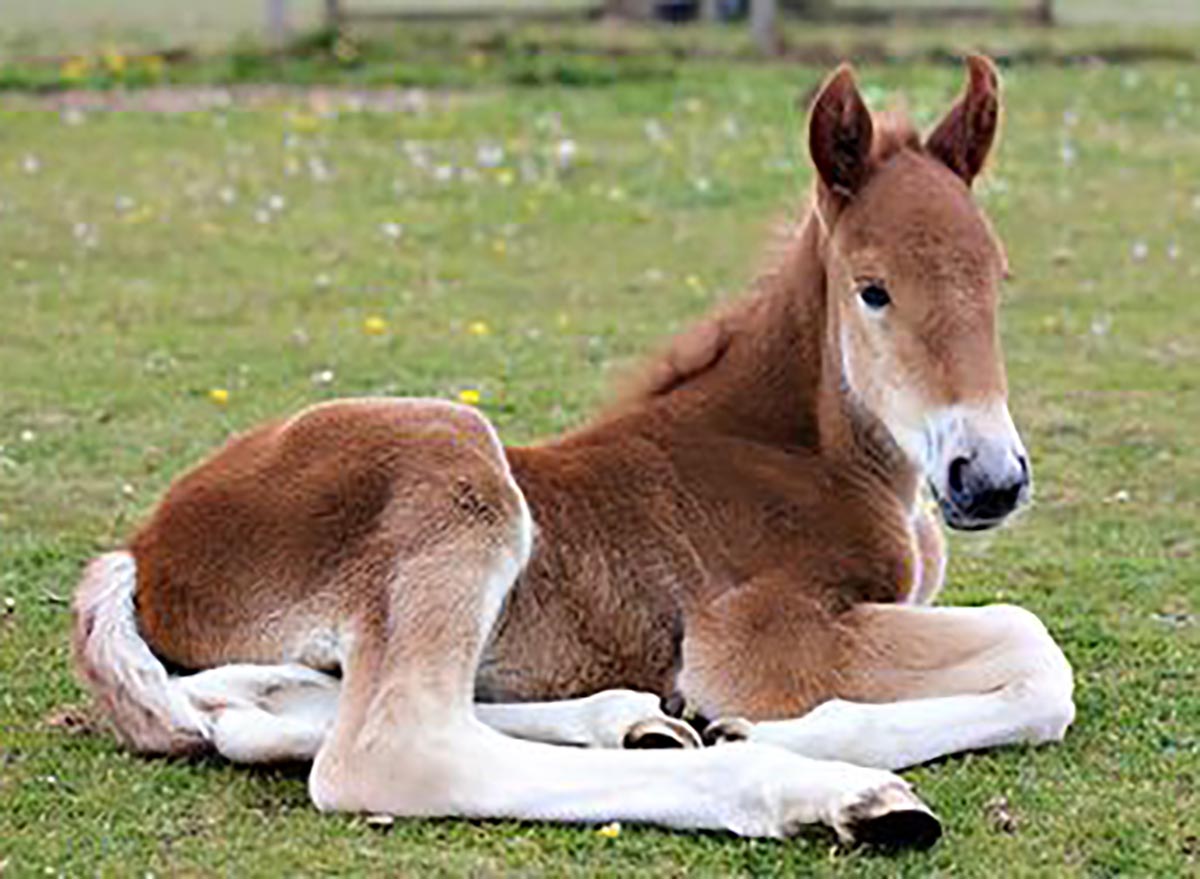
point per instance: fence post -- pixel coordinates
(708, 10)
(333, 14)
(277, 22)
(1045, 12)
(763, 15)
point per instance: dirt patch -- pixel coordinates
(191, 99)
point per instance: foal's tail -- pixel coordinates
(127, 679)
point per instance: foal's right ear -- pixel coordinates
(839, 134)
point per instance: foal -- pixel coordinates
(380, 586)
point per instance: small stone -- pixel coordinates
(1000, 814)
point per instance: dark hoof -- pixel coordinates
(904, 828)
(666, 732)
(727, 729)
(890, 817)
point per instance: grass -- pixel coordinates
(149, 259)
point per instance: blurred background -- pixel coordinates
(174, 26)
(212, 213)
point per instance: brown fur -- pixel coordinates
(715, 530)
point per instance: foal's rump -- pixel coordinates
(262, 563)
(263, 552)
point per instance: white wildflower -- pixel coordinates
(490, 155)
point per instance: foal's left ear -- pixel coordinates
(964, 138)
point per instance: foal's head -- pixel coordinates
(913, 275)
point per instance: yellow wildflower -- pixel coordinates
(306, 123)
(140, 215)
(505, 177)
(375, 326)
(499, 247)
(610, 831)
(220, 396)
(114, 61)
(154, 65)
(477, 60)
(478, 328)
(469, 396)
(75, 69)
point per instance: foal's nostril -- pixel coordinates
(1024, 469)
(958, 468)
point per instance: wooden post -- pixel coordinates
(708, 10)
(277, 23)
(333, 14)
(763, 16)
(1045, 12)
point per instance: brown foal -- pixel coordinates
(380, 586)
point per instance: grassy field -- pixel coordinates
(523, 244)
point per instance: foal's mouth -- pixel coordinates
(994, 510)
(959, 521)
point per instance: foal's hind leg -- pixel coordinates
(406, 740)
(608, 719)
(278, 713)
(914, 684)
(263, 713)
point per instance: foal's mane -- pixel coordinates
(701, 346)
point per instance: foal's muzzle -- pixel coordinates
(981, 472)
(982, 493)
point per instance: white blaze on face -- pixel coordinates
(892, 401)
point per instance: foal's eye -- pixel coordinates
(874, 296)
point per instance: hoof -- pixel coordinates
(891, 818)
(660, 732)
(727, 729)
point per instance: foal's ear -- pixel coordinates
(839, 134)
(963, 139)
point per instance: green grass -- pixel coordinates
(138, 274)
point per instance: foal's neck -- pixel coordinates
(774, 373)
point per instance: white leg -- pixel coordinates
(262, 713)
(748, 789)
(1022, 687)
(274, 713)
(609, 719)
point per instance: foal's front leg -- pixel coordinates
(406, 741)
(917, 683)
